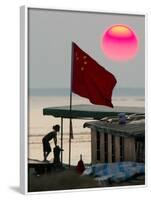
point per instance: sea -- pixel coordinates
(39, 124)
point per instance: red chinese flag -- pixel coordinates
(91, 80)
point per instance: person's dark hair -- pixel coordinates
(56, 127)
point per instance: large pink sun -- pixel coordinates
(119, 43)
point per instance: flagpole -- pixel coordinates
(70, 104)
(70, 129)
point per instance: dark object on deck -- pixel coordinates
(80, 166)
(40, 167)
(56, 152)
(122, 118)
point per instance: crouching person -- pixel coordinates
(56, 151)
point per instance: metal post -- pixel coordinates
(69, 143)
(61, 140)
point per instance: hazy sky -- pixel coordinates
(52, 32)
